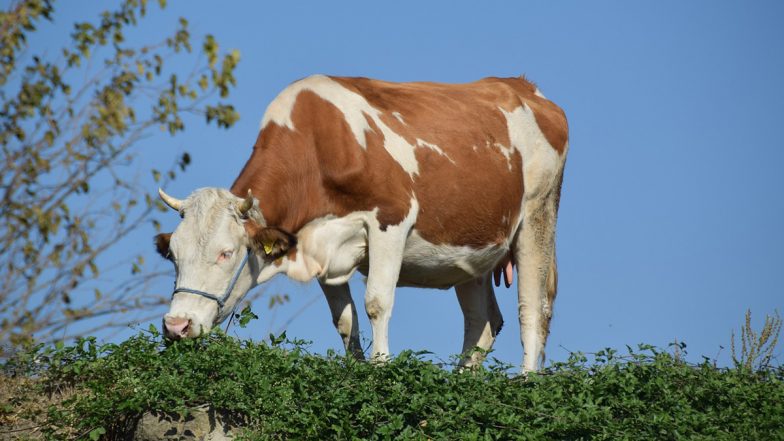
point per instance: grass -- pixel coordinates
(88, 390)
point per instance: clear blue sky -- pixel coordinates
(672, 214)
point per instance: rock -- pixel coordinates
(202, 423)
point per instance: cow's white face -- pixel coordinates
(208, 248)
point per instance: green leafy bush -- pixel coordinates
(283, 392)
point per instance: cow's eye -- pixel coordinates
(225, 255)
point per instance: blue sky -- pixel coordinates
(671, 215)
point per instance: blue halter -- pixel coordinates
(220, 300)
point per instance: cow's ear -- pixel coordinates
(162, 245)
(272, 242)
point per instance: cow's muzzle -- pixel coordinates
(176, 328)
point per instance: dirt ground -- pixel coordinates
(23, 407)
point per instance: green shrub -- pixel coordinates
(283, 392)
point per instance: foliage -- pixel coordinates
(756, 350)
(71, 123)
(285, 393)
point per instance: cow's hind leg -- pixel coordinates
(344, 317)
(537, 275)
(482, 319)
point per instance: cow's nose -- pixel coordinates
(176, 328)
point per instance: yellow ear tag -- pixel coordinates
(268, 246)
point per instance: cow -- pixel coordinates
(412, 184)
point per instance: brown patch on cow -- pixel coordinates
(273, 242)
(549, 117)
(320, 169)
(373, 308)
(291, 256)
(461, 202)
(467, 196)
(162, 245)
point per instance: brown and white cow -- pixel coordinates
(413, 184)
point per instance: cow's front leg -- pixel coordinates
(385, 256)
(344, 317)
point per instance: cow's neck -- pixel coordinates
(284, 175)
(296, 265)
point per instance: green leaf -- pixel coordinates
(246, 315)
(95, 434)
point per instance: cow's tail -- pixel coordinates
(551, 284)
(552, 290)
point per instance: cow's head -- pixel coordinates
(221, 249)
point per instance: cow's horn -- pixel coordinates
(246, 204)
(174, 203)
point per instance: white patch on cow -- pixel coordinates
(400, 150)
(355, 109)
(267, 272)
(430, 265)
(279, 110)
(538, 93)
(337, 244)
(328, 248)
(303, 268)
(541, 161)
(433, 147)
(399, 117)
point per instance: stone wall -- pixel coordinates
(202, 423)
